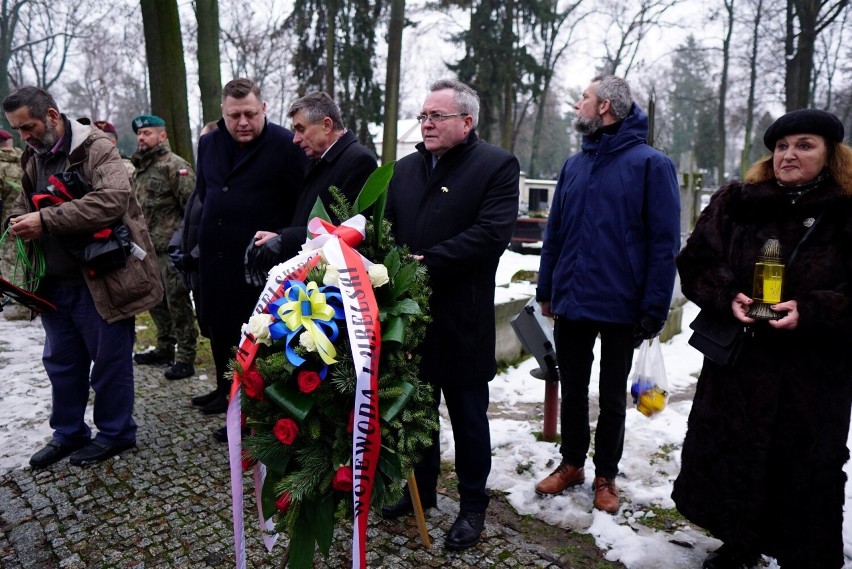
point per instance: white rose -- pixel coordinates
(378, 275)
(307, 342)
(258, 326)
(331, 275)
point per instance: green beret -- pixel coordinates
(147, 120)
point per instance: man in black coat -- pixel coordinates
(454, 204)
(335, 159)
(249, 175)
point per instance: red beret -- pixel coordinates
(5, 134)
(105, 126)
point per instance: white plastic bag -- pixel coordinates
(650, 388)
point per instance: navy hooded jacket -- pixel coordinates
(614, 230)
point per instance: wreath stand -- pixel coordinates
(418, 511)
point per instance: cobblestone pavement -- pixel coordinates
(167, 504)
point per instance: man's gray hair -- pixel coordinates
(37, 100)
(317, 106)
(617, 91)
(467, 101)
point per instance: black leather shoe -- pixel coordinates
(180, 370)
(218, 405)
(53, 452)
(727, 557)
(221, 435)
(404, 506)
(154, 358)
(465, 531)
(202, 400)
(97, 451)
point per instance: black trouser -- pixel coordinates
(574, 343)
(223, 349)
(467, 407)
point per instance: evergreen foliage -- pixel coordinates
(305, 469)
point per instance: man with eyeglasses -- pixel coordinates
(248, 177)
(454, 204)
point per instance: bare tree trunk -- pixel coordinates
(395, 27)
(167, 72)
(330, 47)
(812, 16)
(752, 82)
(721, 131)
(209, 72)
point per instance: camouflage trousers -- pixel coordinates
(174, 317)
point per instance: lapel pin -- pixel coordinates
(445, 189)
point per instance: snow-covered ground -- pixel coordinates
(649, 465)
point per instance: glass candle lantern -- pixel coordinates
(768, 282)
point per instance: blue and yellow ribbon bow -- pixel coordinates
(307, 308)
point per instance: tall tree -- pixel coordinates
(396, 24)
(630, 23)
(209, 67)
(721, 130)
(806, 19)
(167, 72)
(257, 44)
(496, 62)
(692, 104)
(757, 15)
(554, 35)
(336, 53)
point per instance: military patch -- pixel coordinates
(183, 172)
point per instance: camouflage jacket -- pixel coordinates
(10, 180)
(163, 182)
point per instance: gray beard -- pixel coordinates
(587, 126)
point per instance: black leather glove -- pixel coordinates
(177, 258)
(258, 260)
(648, 327)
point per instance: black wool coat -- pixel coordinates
(241, 191)
(346, 165)
(460, 217)
(766, 441)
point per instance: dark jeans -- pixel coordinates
(574, 343)
(81, 349)
(467, 407)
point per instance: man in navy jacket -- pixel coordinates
(454, 203)
(607, 268)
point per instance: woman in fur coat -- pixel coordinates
(762, 463)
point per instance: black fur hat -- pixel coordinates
(804, 121)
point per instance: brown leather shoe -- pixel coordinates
(606, 494)
(560, 479)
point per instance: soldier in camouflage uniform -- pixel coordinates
(10, 187)
(163, 182)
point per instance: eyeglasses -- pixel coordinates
(438, 117)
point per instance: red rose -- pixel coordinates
(247, 461)
(343, 479)
(253, 383)
(283, 502)
(351, 424)
(286, 431)
(308, 381)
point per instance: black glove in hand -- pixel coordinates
(258, 260)
(648, 327)
(177, 259)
